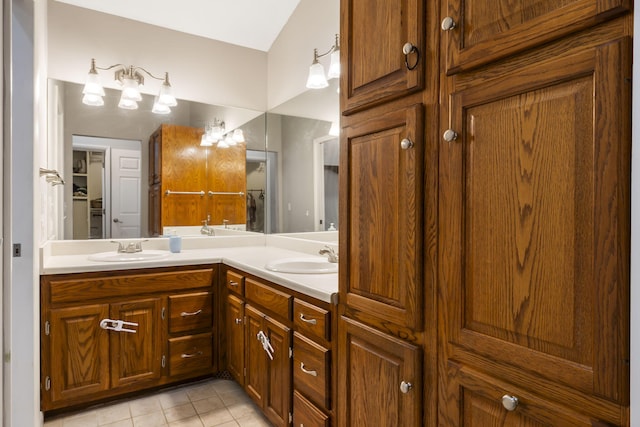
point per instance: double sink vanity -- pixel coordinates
(257, 307)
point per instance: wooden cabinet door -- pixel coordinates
(235, 338)
(381, 216)
(486, 30)
(277, 405)
(255, 379)
(372, 40)
(371, 371)
(155, 210)
(183, 170)
(475, 399)
(534, 220)
(79, 352)
(227, 173)
(136, 356)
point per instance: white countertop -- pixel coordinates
(247, 253)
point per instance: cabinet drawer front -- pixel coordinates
(235, 282)
(77, 287)
(190, 311)
(306, 414)
(190, 354)
(311, 320)
(311, 370)
(269, 298)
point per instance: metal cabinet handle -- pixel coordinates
(194, 313)
(448, 24)
(408, 49)
(232, 283)
(310, 321)
(450, 135)
(405, 387)
(313, 373)
(406, 143)
(238, 321)
(188, 356)
(510, 403)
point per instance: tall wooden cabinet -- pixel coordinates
(189, 184)
(485, 213)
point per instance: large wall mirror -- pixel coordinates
(291, 160)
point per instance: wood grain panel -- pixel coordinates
(488, 30)
(277, 405)
(188, 312)
(268, 298)
(306, 414)
(191, 354)
(235, 337)
(311, 370)
(255, 379)
(226, 172)
(373, 59)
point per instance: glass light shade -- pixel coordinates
(334, 67)
(229, 140)
(93, 100)
(316, 79)
(222, 144)
(335, 129)
(204, 141)
(160, 108)
(130, 90)
(127, 104)
(238, 135)
(92, 85)
(166, 96)
(217, 132)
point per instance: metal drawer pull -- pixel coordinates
(510, 403)
(448, 24)
(450, 135)
(406, 143)
(194, 313)
(238, 321)
(306, 371)
(232, 283)
(187, 356)
(117, 325)
(304, 319)
(408, 49)
(405, 387)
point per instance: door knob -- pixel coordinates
(448, 24)
(406, 143)
(405, 387)
(510, 403)
(116, 220)
(450, 135)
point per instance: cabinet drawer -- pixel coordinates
(269, 298)
(306, 414)
(190, 312)
(311, 320)
(190, 354)
(235, 282)
(311, 370)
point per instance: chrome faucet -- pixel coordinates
(129, 248)
(330, 252)
(207, 229)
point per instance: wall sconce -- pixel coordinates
(317, 79)
(130, 78)
(215, 133)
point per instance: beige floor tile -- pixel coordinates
(227, 424)
(122, 423)
(201, 391)
(187, 422)
(53, 423)
(169, 399)
(180, 412)
(155, 419)
(85, 419)
(207, 405)
(253, 420)
(145, 405)
(242, 409)
(223, 386)
(233, 397)
(111, 413)
(216, 418)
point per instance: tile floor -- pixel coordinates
(209, 403)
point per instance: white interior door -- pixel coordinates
(125, 193)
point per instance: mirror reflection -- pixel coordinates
(281, 179)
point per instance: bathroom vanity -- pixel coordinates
(113, 329)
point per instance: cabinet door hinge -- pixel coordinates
(290, 417)
(163, 312)
(47, 328)
(164, 361)
(290, 352)
(47, 383)
(244, 372)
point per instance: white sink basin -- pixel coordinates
(145, 255)
(302, 266)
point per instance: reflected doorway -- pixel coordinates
(106, 193)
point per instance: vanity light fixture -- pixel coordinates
(215, 133)
(317, 79)
(130, 78)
